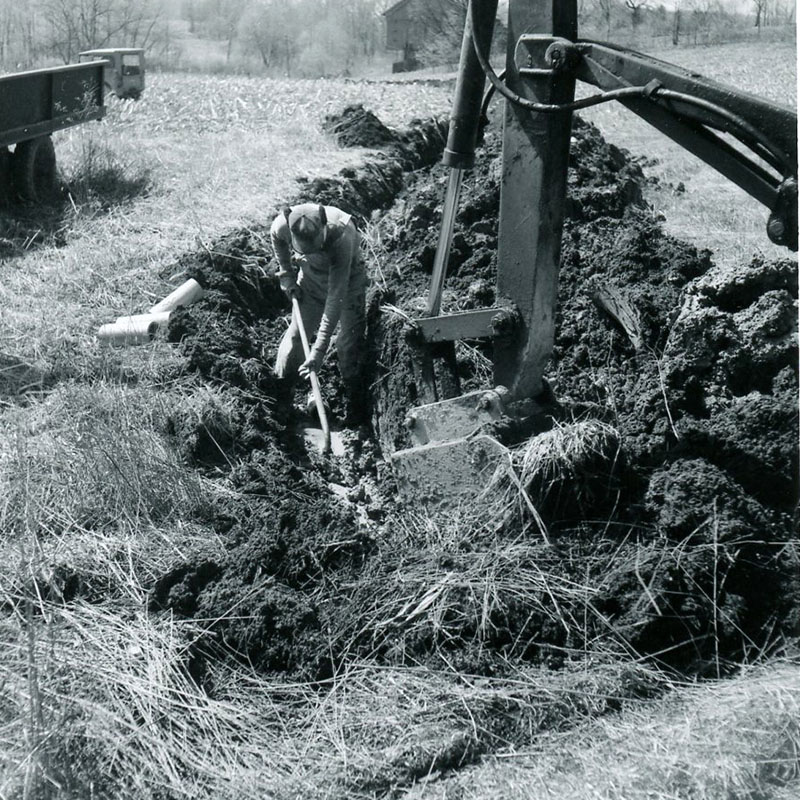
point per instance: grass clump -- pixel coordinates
(557, 478)
(101, 176)
(90, 457)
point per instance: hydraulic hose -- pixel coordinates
(518, 99)
(487, 98)
(734, 119)
(653, 90)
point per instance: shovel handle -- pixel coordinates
(315, 388)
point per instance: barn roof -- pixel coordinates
(396, 7)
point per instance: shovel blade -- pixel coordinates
(315, 437)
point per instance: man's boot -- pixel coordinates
(284, 393)
(356, 404)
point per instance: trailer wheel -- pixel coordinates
(33, 170)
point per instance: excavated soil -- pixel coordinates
(357, 126)
(677, 379)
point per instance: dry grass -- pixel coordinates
(119, 716)
(711, 212)
(722, 741)
(96, 698)
(100, 703)
(94, 457)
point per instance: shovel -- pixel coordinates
(315, 390)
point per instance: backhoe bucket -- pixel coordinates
(441, 474)
(451, 459)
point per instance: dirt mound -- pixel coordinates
(356, 126)
(673, 531)
(287, 537)
(696, 375)
(376, 183)
(604, 184)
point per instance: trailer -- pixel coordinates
(34, 105)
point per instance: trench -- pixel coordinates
(668, 488)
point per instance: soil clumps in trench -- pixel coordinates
(676, 380)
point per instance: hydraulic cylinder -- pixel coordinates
(462, 135)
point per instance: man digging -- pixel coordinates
(318, 251)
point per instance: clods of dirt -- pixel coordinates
(375, 184)
(669, 503)
(357, 126)
(289, 540)
(694, 368)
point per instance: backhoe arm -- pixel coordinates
(690, 109)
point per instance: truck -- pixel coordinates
(37, 103)
(123, 74)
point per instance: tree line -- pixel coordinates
(310, 38)
(33, 32)
(303, 37)
(683, 21)
(290, 36)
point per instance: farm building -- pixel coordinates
(401, 29)
(429, 31)
(405, 29)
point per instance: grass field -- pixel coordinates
(95, 700)
(711, 212)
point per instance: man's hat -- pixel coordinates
(307, 227)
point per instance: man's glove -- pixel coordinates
(291, 288)
(311, 364)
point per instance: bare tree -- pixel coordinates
(189, 11)
(605, 10)
(760, 8)
(676, 26)
(75, 25)
(364, 25)
(703, 12)
(17, 26)
(229, 16)
(789, 9)
(777, 12)
(636, 7)
(267, 29)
